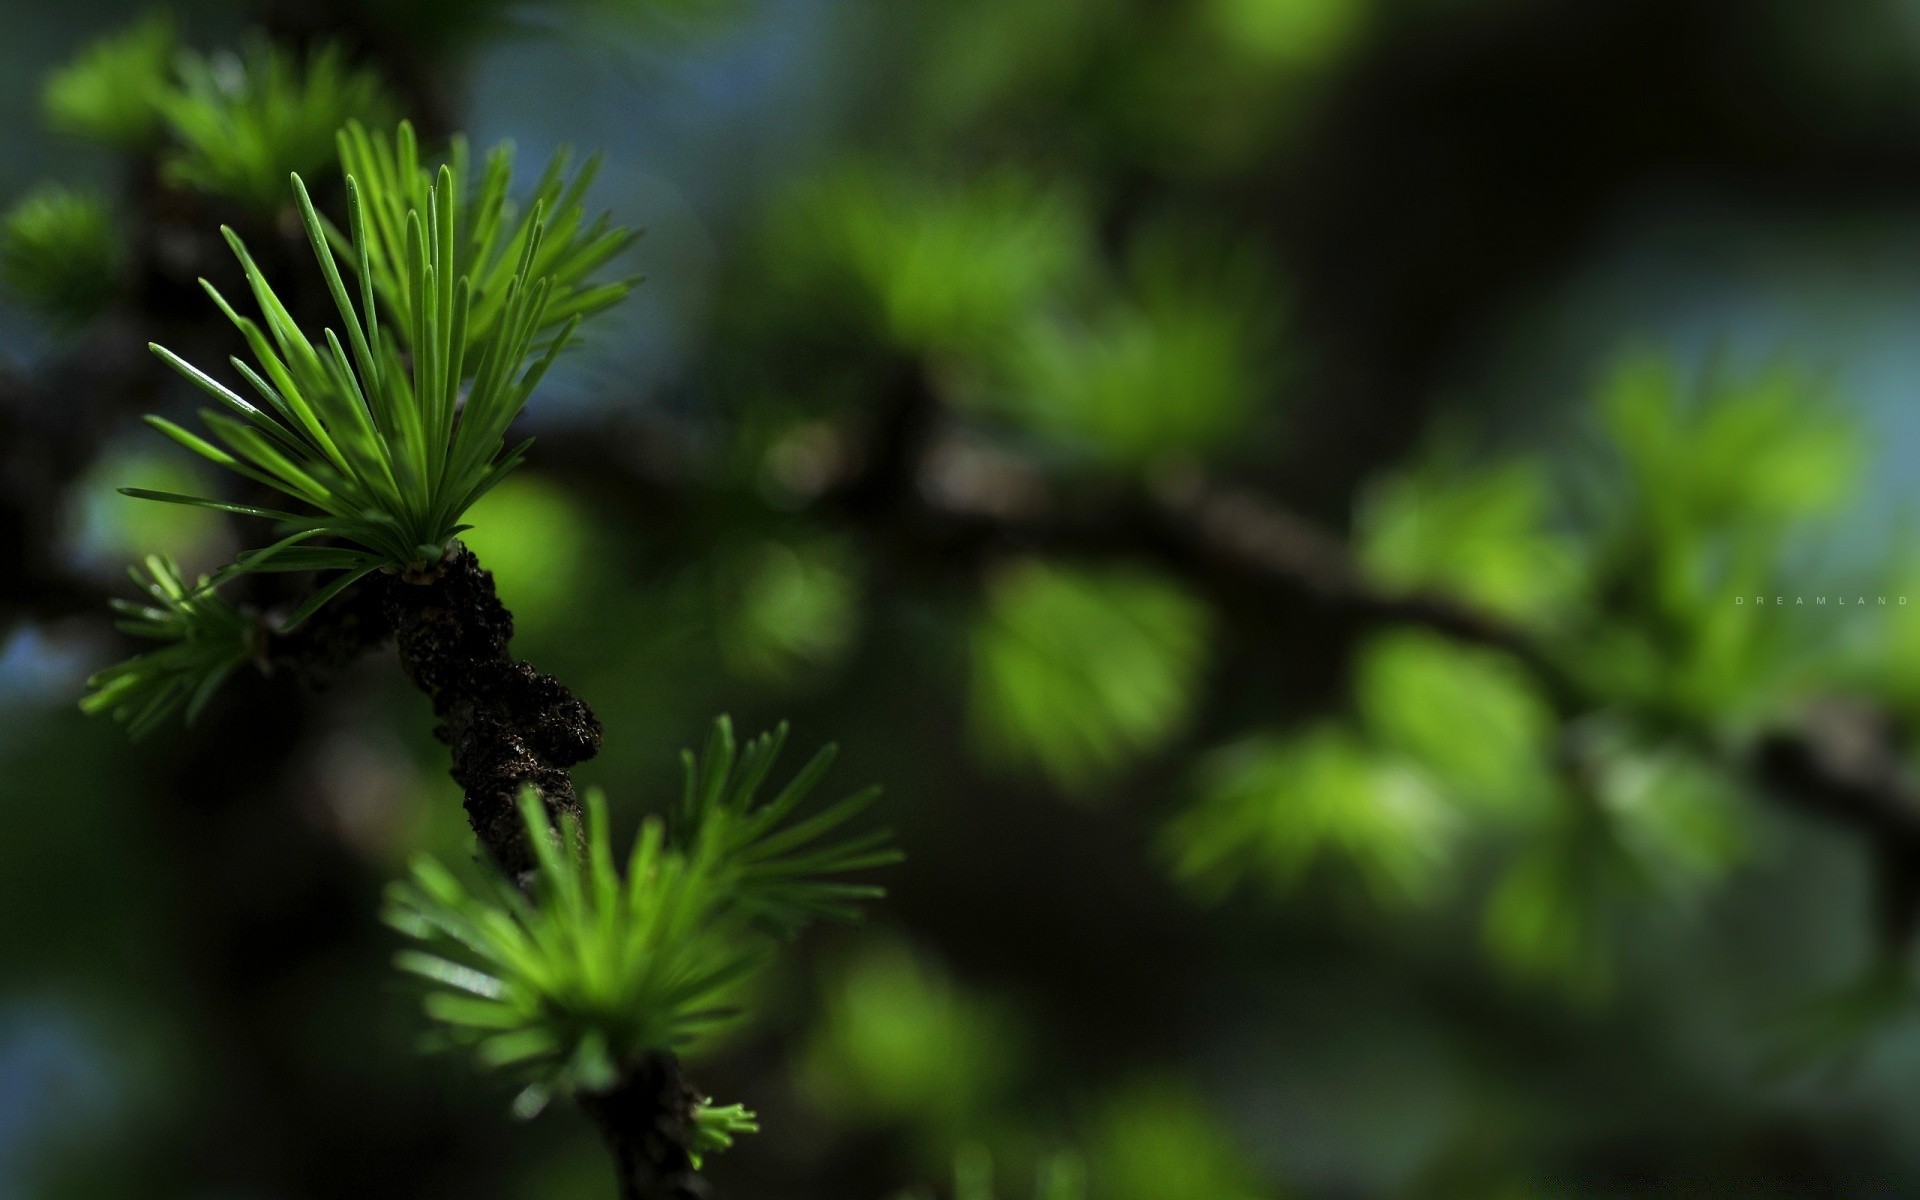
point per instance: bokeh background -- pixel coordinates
(1600, 316)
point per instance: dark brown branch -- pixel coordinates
(647, 1121)
(509, 727)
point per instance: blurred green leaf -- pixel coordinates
(999, 58)
(1550, 921)
(1079, 672)
(1716, 475)
(1761, 447)
(1059, 1177)
(1650, 829)
(1294, 34)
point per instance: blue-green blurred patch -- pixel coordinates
(1079, 672)
(106, 529)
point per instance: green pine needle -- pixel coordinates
(599, 964)
(206, 639)
(715, 1128)
(243, 122)
(593, 970)
(490, 233)
(393, 431)
(784, 873)
(60, 252)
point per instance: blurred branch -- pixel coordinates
(931, 493)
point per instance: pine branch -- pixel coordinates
(508, 725)
(647, 1121)
(1841, 762)
(929, 501)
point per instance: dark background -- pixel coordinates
(1421, 219)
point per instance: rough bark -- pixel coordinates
(647, 1121)
(509, 726)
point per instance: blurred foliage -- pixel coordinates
(1001, 59)
(60, 252)
(1081, 672)
(1162, 368)
(1276, 807)
(927, 265)
(245, 121)
(901, 1044)
(1630, 806)
(537, 540)
(1156, 1140)
(1060, 1177)
(108, 529)
(1290, 33)
(786, 609)
(113, 91)
(1832, 1034)
(1221, 82)
(1653, 827)
(206, 638)
(1716, 476)
(1471, 718)
(1483, 534)
(1075, 229)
